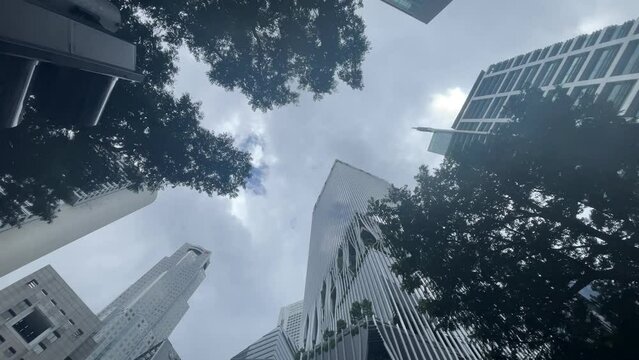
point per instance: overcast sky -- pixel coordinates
(415, 74)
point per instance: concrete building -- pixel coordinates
(273, 346)
(161, 351)
(348, 263)
(604, 64)
(147, 312)
(78, 216)
(422, 10)
(290, 321)
(42, 318)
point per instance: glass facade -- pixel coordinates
(348, 262)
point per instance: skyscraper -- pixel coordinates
(147, 312)
(162, 351)
(290, 321)
(422, 10)
(604, 64)
(42, 318)
(78, 216)
(347, 263)
(273, 346)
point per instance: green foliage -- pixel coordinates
(328, 334)
(266, 47)
(356, 312)
(341, 325)
(367, 308)
(506, 234)
(146, 135)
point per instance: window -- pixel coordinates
(54, 303)
(624, 30)
(509, 83)
(571, 68)
(592, 40)
(527, 77)
(600, 62)
(485, 126)
(555, 49)
(495, 107)
(526, 58)
(518, 60)
(608, 34)
(547, 73)
(476, 109)
(32, 284)
(566, 46)
(535, 55)
(579, 43)
(1, 339)
(581, 91)
(490, 85)
(633, 109)
(78, 333)
(44, 292)
(71, 322)
(32, 325)
(62, 312)
(544, 52)
(617, 92)
(629, 61)
(27, 302)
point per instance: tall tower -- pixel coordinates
(347, 263)
(604, 64)
(290, 321)
(147, 312)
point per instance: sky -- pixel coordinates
(414, 75)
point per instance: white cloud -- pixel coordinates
(447, 104)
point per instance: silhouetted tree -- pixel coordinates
(341, 325)
(267, 47)
(530, 240)
(146, 135)
(356, 312)
(367, 308)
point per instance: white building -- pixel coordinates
(78, 216)
(604, 64)
(147, 312)
(290, 321)
(348, 263)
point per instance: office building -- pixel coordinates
(42, 318)
(290, 321)
(348, 263)
(273, 346)
(161, 351)
(78, 216)
(422, 10)
(64, 51)
(604, 64)
(147, 312)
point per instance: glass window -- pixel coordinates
(624, 30)
(548, 71)
(506, 111)
(32, 284)
(527, 77)
(600, 62)
(629, 61)
(535, 55)
(584, 91)
(32, 325)
(476, 109)
(608, 34)
(495, 107)
(593, 38)
(566, 46)
(518, 60)
(617, 92)
(526, 58)
(579, 43)
(509, 83)
(555, 49)
(633, 109)
(570, 69)
(544, 52)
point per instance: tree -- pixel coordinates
(530, 239)
(146, 136)
(265, 47)
(367, 308)
(356, 312)
(328, 334)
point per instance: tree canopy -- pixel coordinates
(529, 240)
(267, 48)
(147, 136)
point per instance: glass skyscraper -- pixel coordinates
(604, 64)
(290, 321)
(348, 263)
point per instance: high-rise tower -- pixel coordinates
(147, 312)
(347, 263)
(290, 321)
(604, 64)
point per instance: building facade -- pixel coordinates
(161, 351)
(422, 10)
(604, 64)
(273, 346)
(78, 216)
(147, 312)
(290, 321)
(42, 318)
(348, 263)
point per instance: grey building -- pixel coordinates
(42, 318)
(604, 64)
(290, 321)
(147, 312)
(273, 346)
(349, 262)
(422, 10)
(161, 351)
